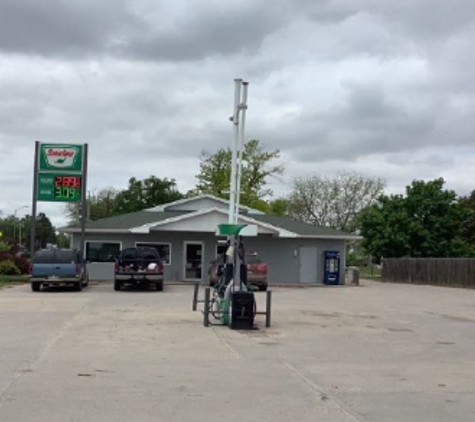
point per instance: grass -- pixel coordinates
(12, 280)
(370, 273)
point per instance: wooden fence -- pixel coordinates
(457, 272)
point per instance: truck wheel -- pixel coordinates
(263, 287)
(117, 285)
(159, 286)
(36, 287)
(78, 286)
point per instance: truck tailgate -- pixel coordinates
(65, 270)
(42, 270)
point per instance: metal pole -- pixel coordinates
(242, 123)
(206, 312)
(195, 297)
(268, 307)
(33, 201)
(235, 119)
(84, 205)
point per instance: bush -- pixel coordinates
(9, 268)
(22, 264)
(4, 247)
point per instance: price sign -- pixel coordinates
(59, 187)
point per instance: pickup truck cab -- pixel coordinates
(55, 267)
(139, 267)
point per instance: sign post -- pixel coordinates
(60, 174)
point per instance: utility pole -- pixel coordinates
(19, 224)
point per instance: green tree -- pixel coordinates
(146, 193)
(100, 204)
(257, 166)
(468, 202)
(426, 222)
(333, 201)
(45, 232)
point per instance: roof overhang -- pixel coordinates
(71, 230)
(330, 237)
(162, 225)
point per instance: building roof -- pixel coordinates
(134, 222)
(299, 227)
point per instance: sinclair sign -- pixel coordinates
(61, 157)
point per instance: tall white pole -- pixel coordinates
(242, 123)
(235, 118)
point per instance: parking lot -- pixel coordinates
(375, 353)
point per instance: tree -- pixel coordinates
(45, 232)
(257, 165)
(146, 193)
(100, 204)
(426, 222)
(468, 202)
(333, 202)
(279, 207)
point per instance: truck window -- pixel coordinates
(148, 254)
(44, 257)
(64, 257)
(129, 254)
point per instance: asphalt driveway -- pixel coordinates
(372, 353)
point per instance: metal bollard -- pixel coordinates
(268, 307)
(206, 311)
(195, 297)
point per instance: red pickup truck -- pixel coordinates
(256, 271)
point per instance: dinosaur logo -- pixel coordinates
(61, 157)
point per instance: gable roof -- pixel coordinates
(154, 218)
(166, 207)
(146, 220)
(145, 228)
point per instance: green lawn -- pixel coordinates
(368, 273)
(12, 280)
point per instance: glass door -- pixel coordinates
(193, 260)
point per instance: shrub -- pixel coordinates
(4, 247)
(22, 264)
(9, 268)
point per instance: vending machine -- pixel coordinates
(331, 273)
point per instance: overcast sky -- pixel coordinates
(382, 87)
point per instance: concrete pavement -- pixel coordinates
(372, 353)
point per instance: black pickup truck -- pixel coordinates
(139, 267)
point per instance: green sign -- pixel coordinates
(59, 187)
(62, 157)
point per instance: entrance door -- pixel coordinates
(193, 261)
(308, 258)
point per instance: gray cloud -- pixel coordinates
(336, 84)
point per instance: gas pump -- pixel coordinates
(236, 303)
(331, 272)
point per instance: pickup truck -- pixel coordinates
(140, 267)
(56, 267)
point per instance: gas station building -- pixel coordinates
(185, 233)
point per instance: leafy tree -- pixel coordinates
(45, 232)
(257, 165)
(101, 204)
(426, 222)
(146, 193)
(334, 202)
(468, 203)
(279, 207)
